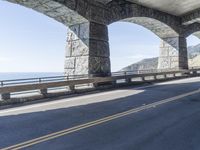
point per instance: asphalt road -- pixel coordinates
(164, 116)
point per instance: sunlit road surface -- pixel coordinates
(164, 116)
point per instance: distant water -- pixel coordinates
(17, 75)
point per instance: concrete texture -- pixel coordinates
(87, 51)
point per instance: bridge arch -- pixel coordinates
(162, 24)
(159, 28)
(64, 12)
(88, 35)
(127, 46)
(73, 14)
(192, 33)
(193, 29)
(33, 35)
(167, 27)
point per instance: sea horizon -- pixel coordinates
(24, 75)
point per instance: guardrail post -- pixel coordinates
(194, 73)
(142, 78)
(5, 96)
(2, 84)
(114, 82)
(72, 88)
(44, 92)
(95, 85)
(128, 80)
(155, 77)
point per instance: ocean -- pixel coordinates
(24, 75)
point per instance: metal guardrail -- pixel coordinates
(44, 83)
(39, 80)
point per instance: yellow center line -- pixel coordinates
(95, 123)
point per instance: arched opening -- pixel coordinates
(133, 47)
(30, 42)
(33, 42)
(148, 33)
(193, 43)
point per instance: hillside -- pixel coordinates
(193, 51)
(152, 63)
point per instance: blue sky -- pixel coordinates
(32, 42)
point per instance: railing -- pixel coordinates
(142, 71)
(4, 83)
(43, 84)
(39, 80)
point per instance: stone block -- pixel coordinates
(99, 48)
(77, 48)
(69, 72)
(80, 31)
(97, 14)
(98, 31)
(84, 30)
(83, 8)
(70, 62)
(73, 33)
(99, 66)
(82, 66)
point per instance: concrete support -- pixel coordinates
(87, 51)
(173, 53)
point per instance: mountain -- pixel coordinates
(194, 62)
(152, 63)
(193, 51)
(149, 63)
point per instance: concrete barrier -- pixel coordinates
(5, 91)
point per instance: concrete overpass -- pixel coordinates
(158, 116)
(88, 41)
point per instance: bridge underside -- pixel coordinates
(87, 50)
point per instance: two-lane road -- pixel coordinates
(164, 116)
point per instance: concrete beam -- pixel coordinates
(192, 17)
(192, 29)
(161, 23)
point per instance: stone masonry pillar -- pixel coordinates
(173, 53)
(87, 50)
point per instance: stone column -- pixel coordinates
(87, 50)
(173, 53)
